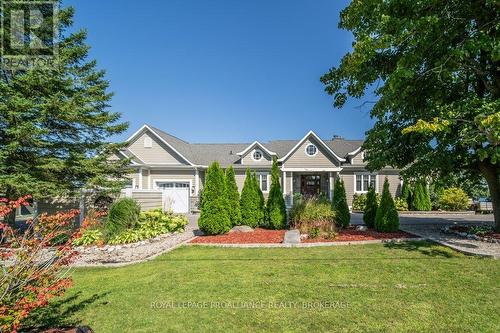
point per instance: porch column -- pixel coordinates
(291, 188)
(330, 185)
(283, 182)
(140, 178)
(196, 182)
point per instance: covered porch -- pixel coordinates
(308, 182)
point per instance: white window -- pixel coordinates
(148, 143)
(311, 150)
(364, 181)
(257, 155)
(263, 180)
(163, 185)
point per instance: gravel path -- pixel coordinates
(109, 256)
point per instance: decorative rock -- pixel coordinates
(292, 237)
(241, 228)
(362, 228)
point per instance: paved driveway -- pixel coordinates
(429, 226)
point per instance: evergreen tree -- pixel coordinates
(55, 124)
(214, 216)
(276, 208)
(406, 194)
(371, 207)
(421, 197)
(387, 218)
(261, 206)
(339, 205)
(233, 197)
(249, 202)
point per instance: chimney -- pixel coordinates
(335, 136)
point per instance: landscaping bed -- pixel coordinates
(258, 236)
(482, 233)
(352, 234)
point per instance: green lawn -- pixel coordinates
(410, 287)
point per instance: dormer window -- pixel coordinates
(311, 150)
(257, 155)
(148, 143)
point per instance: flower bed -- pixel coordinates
(258, 236)
(351, 234)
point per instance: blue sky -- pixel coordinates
(223, 70)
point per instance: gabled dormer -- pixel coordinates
(256, 154)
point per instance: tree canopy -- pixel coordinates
(435, 68)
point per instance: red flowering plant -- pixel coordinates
(34, 263)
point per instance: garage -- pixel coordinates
(175, 195)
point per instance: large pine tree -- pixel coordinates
(233, 197)
(276, 208)
(55, 124)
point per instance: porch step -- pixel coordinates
(292, 237)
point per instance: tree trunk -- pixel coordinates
(491, 173)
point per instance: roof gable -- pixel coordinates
(311, 134)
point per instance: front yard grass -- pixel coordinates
(408, 287)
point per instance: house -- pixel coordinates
(168, 171)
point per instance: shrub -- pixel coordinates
(371, 207)
(214, 217)
(308, 214)
(421, 199)
(453, 199)
(261, 211)
(233, 197)
(89, 237)
(406, 193)
(386, 219)
(339, 205)
(250, 202)
(401, 204)
(123, 214)
(359, 201)
(276, 208)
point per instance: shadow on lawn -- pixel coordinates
(424, 247)
(59, 313)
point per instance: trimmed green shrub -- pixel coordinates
(233, 197)
(370, 209)
(261, 207)
(386, 219)
(359, 201)
(89, 237)
(214, 217)
(276, 208)
(406, 193)
(123, 214)
(453, 199)
(250, 202)
(308, 214)
(421, 198)
(339, 205)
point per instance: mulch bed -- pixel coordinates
(263, 236)
(258, 236)
(350, 234)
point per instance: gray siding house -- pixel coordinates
(170, 172)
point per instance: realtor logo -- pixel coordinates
(29, 31)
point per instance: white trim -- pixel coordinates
(311, 133)
(336, 169)
(311, 144)
(261, 173)
(355, 152)
(140, 178)
(148, 142)
(133, 162)
(149, 178)
(196, 182)
(365, 173)
(251, 146)
(261, 155)
(190, 181)
(160, 138)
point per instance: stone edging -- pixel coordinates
(446, 230)
(269, 245)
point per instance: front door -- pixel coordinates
(310, 185)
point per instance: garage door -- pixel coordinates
(175, 195)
